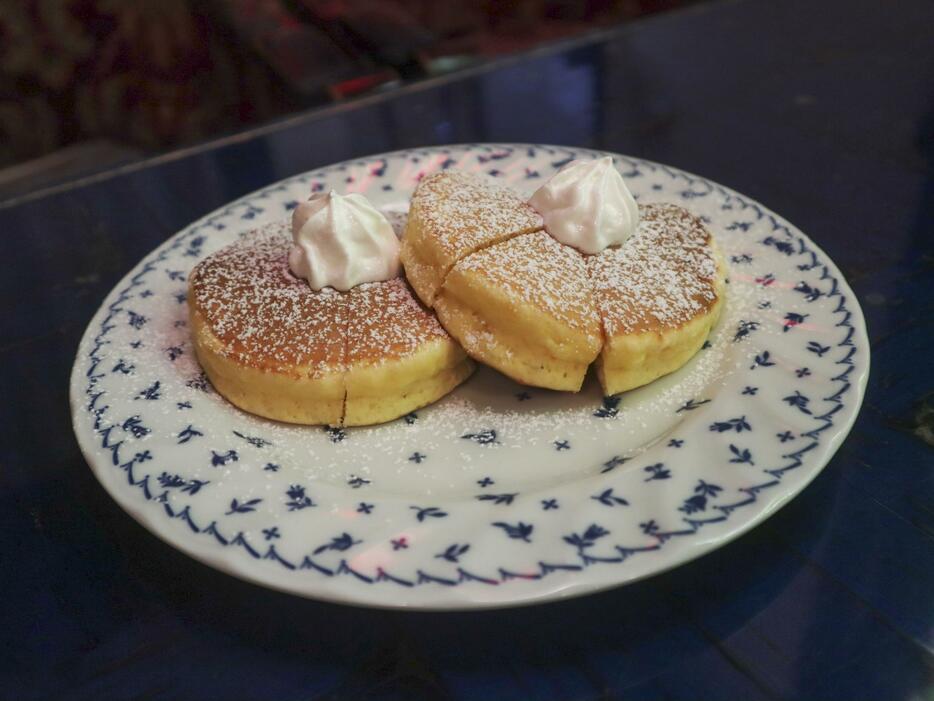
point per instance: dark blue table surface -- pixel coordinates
(823, 111)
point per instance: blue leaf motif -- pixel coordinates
(134, 426)
(613, 463)
(586, 539)
(297, 499)
(793, 319)
(799, 401)
(744, 329)
(187, 433)
(657, 471)
(741, 455)
(219, 459)
(498, 498)
(237, 507)
(763, 360)
(485, 437)
(691, 405)
(137, 321)
(255, 441)
(200, 383)
(783, 246)
(151, 393)
(340, 543)
(607, 498)
(423, 512)
(520, 531)
(453, 552)
(817, 348)
(738, 424)
(609, 407)
(335, 433)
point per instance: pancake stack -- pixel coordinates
(277, 348)
(541, 312)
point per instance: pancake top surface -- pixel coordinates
(266, 317)
(663, 276)
(386, 322)
(537, 270)
(466, 211)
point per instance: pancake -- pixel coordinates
(658, 296)
(524, 307)
(453, 214)
(541, 312)
(394, 343)
(274, 347)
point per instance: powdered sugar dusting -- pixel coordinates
(264, 315)
(663, 276)
(386, 322)
(540, 272)
(268, 318)
(466, 211)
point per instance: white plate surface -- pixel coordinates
(498, 494)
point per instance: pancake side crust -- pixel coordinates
(659, 295)
(303, 395)
(399, 358)
(523, 306)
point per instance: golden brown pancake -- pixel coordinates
(524, 307)
(658, 296)
(275, 347)
(453, 214)
(541, 312)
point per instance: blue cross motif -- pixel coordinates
(549, 504)
(400, 543)
(271, 533)
(417, 457)
(785, 436)
(802, 372)
(750, 390)
(765, 304)
(562, 445)
(675, 443)
(357, 482)
(271, 467)
(364, 508)
(136, 344)
(485, 482)
(145, 293)
(183, 405)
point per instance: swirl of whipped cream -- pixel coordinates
(342, 241)
(587, 205)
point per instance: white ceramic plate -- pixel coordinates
(498, 494)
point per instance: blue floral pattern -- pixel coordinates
(283, 506)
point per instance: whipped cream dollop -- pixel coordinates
(342, 241)
(587, 205)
